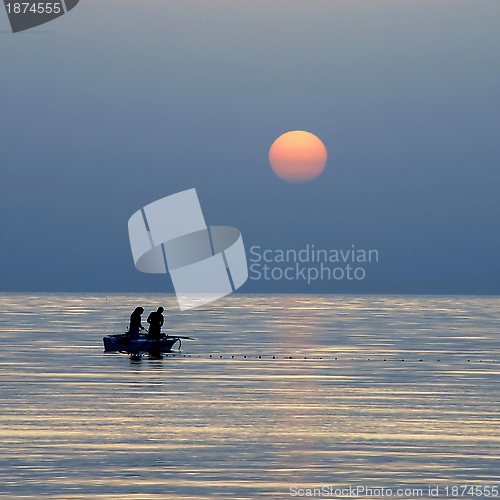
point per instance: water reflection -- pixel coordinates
(344, 410)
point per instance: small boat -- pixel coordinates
(143, 345)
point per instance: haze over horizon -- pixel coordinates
(121, 103)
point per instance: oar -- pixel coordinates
(178, 337)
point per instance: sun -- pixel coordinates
(297, 156)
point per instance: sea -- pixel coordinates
(278, 396)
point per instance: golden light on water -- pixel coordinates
(76, 423)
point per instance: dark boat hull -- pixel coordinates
(122, 343)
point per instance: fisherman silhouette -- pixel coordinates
(155, 320)
(135, 323)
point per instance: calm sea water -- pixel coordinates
(337, 406)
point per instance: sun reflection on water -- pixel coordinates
(322, 390)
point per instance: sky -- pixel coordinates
(120, 103)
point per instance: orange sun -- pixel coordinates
(297, 156)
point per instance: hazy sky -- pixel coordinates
(120, 103)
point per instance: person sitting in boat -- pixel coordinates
(135, 323)
(155, 320)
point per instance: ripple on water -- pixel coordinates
(322, 390)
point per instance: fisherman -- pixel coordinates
(155, 320)
(135, 323)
